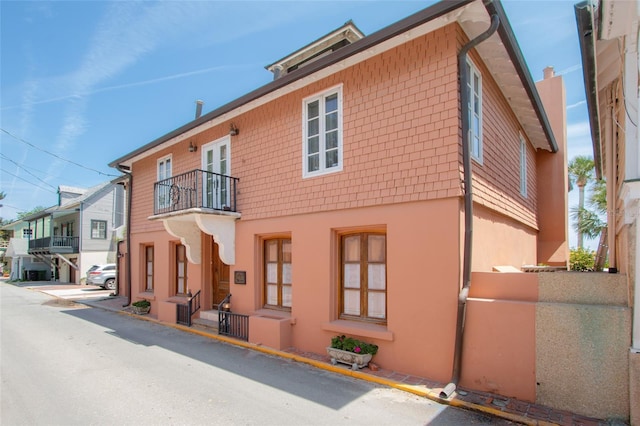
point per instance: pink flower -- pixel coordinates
(357, 349)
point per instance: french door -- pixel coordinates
(216, 161)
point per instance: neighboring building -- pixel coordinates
(16, 255)
(77, 233)
(332, 200)
(608, 34)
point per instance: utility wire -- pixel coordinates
(55, 155)
(18, 165)
(30, 183)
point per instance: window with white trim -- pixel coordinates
(523, 167)
(322, 133)
(164, 185)
(474, 86)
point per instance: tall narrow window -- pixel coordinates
(322, 145)
(148, 260)
(474, 87)
(181, 269)
(98, 229)
(523, 166)
(277, 273)
(363, 284)
(164, 182)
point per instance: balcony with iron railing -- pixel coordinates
(196, 189)
(56, 244)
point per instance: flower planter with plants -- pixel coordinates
(350, 351)
(141, 307)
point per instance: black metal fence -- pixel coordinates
(233, 325)
(184, 311)
(195, 189)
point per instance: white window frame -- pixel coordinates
(320, 97)
(475, 148)
(97, 229)
(163, 200)
(523, 166)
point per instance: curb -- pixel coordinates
(428, 393)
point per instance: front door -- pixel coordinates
(220, 274)
(216, 163)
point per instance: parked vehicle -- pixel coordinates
(102, 275)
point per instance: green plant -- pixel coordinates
(142, 304)
(581, 259)
(350, 344)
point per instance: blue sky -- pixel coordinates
(90, 81)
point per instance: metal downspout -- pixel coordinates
(463, 71)
(128, 259)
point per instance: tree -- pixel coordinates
(581, 170)
(590, 223)
(22, 215)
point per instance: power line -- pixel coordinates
(18, 165)
(30, 183)
(55, 155)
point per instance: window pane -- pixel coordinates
(377, 248)
(286, 296)
(314, 162)
(377, 276)
(352, 302)
(272, 273)
(312, 109)
(149, 268)
(272, 294)
(351, 248)
(331, 140)
(352, 275)
(377, 305)
(331, 121)
(331, 103)
(331, 159)
(272, 251)
(181, 286)
(286, 251)
(313, 127)
(313, 145)
(149, 283)
(286, 273)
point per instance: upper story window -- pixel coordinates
(523, 166)
(164, 188)
(474, 86)
(99, 229)
(322, 144)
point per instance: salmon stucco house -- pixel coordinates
(356, 193)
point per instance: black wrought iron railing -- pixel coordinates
(233, 325)
(56, 244)
(185, 311)
(195, 189)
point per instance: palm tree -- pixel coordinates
(581, 173)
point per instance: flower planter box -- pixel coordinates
(356, 361)
(140, 311)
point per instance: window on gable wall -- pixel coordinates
(98, 229)
(523, 166)
(474, 86)
(322, 145)
(363, 277)
(277, 273)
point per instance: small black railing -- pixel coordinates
(195, 189)
(233, 325)
(184, 311)
(57, 243)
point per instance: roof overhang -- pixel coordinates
(500, 53)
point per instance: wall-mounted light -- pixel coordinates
(233, 130)
(192, 147)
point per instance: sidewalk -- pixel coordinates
(493, 405)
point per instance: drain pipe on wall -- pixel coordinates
(463, 71)
(127, 171)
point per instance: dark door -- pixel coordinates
(220, 274)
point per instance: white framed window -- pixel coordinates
(523, 166)
(474, 86)
(322, 133)
(164, 185)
